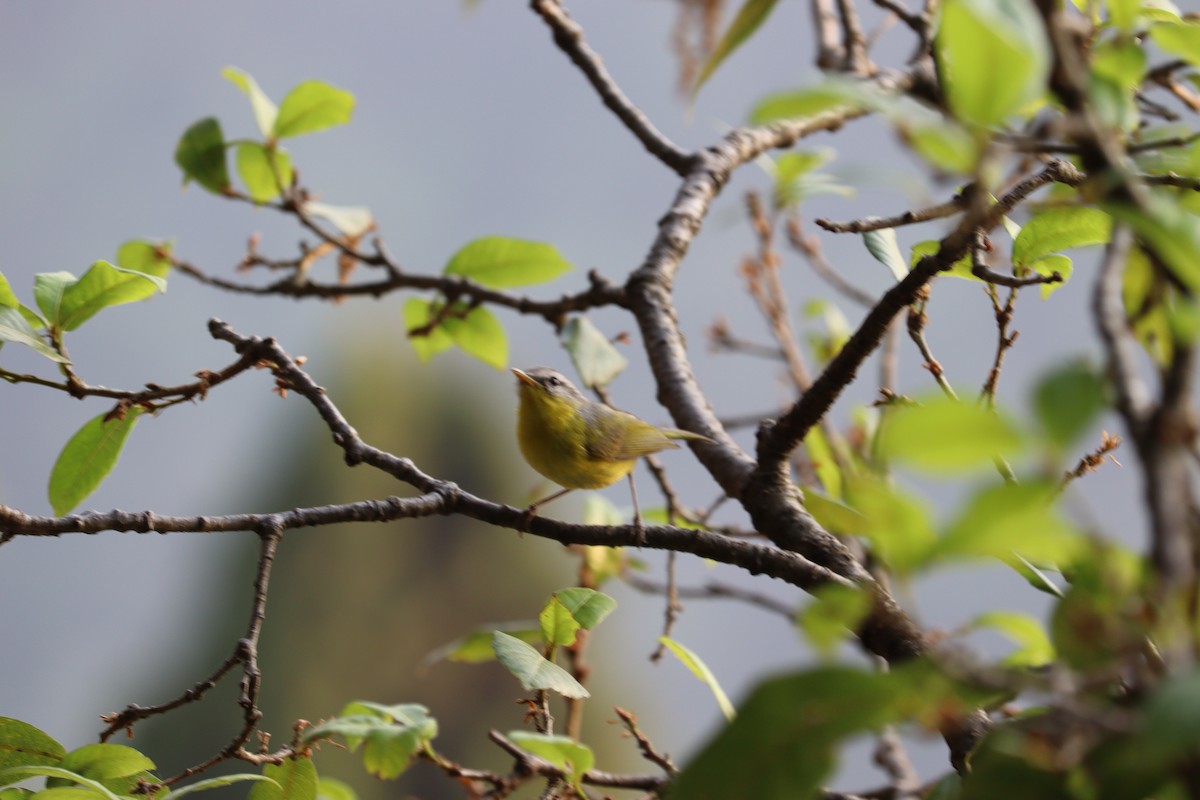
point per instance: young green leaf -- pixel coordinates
(1180, 39)
(587, 606)
(21, 744)
(820, 455)
(563, 752)
(885, 248)
(947, 436)
(87, 459)
(1056, 229)
(418, 313)
(749, 17)
(476, 646)
(807, 102)
(1068, 400)
(48, 291)
(898, 525)
(557, 624)
(265, 171)
(264, 109)
(143, 256)
(993, 57)
(833, 515)
(500, 262)
(294, 779)
(960, 268)
(833, 615)
(201, 155)
(1049, 265)
(102, 286)
(479, 334)
(943, 143)
(312, 106)
(698, 668)
(15, 328)
(21, 773)
(333, 789)
(532, 670)
(105, 761)
(593, 355)
(1034, 647)
(1008, 520)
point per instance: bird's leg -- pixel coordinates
(639, 529)
(531, 509)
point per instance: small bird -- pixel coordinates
(580, 443)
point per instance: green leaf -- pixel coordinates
(216, 783)
(69, 792)
(21, 773)
(1062, 228)
(784, 741)
(834, 517)
(898, 525)
(1005, 520)
(945, 144)
(532, 670)
(476, 646)
(701, 671)
(883, 245)
(593, 355)
(557, 624)
(201, 156)
(1121, 61)
(333, 789)
(568, 755)
(418, 313)
(807, 102)
(350, 220)
(833, 615)
(943, 435)
(70, 303)
(1171, 232)
(1180, 39)
(312, 106)
(264, 109)
(820, 455)
(106, 761)
(393, 734)
(294, 779)
(588, 606)
(87, 459)
(1068, 400)
(750, 16)
(21, 744)
(480, 334)
(960, 268)
(1034, 647)
(13, 793)
(265, 171)
(500, 262)
(993, 57)
(15, 328)
(150, 258)
(1048, 265)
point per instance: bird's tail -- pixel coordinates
(676, 433)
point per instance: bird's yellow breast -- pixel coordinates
(553, 438)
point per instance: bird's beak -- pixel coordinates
(523, 378)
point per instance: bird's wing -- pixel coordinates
(620, 436)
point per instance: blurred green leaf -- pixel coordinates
(943, 435)
(333, 789)
(833, 516)
(698, 668)
(944, 144)
(104, 761)
(1180, 39)
(1048, 265)
(479, 334)
(265, 171)
(476, 646)
(833, 616)
(570, 756)
(898, 525)
(1170, 231)
(960, 268)
(1068, 400)
(98, 789)
(1060, 228)
(532, 669)
(140, 255)
(418, 313)
(1033, 644)
(810, 101)
(215, 783)
(87, 459)
(294, 779)
(820, 455)
(594, 357)
(264, 109)
(500, 262)
(1007, 519)
(749, 17)
(993, 57)
(201, 155)
(312, 106)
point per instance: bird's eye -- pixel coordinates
(553, 381)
